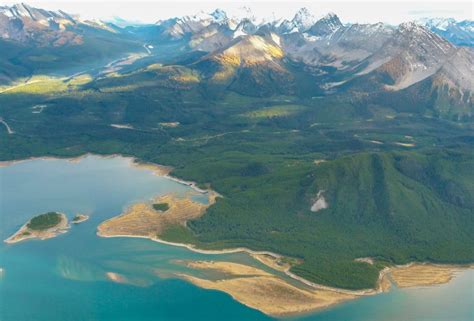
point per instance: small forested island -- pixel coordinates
(43, 226)
(79, 218)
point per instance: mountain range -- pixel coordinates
(429, 62)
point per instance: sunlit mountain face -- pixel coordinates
(259, 57)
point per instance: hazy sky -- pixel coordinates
(388, 11)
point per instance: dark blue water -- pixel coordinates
(65, 278)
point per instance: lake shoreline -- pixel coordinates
(165, 171)
(157, 169)
(384, 284)
(377, 290)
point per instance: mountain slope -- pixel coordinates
(251, 65)
(23, 23)
(459, 33)
(41, 41)
(412, 54)
(449, 93)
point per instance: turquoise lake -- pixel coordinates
(64, 278)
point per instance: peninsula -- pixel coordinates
(153, 219)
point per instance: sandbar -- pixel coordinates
(263, 291)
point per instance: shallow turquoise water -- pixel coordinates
(64, 278)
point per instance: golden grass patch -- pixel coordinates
(142, 220)
(422, 275)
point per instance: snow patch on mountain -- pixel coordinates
(458, 32)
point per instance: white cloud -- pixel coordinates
(348, 10)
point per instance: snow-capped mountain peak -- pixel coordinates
(303, 19)
(458, 32)
(439, 23)
(327, 25)
(219, 15)
(24, 11)
(411, 27)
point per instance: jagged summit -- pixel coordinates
(22, 10)
(301, 22)
(412, 54)
(410, 33)
(303, 19)
(26, 24)
(411, 27)
(326, 25)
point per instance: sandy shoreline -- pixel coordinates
(253, 254)
(157, 169)
(382, 282)
(262, 290)
(332, 296)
